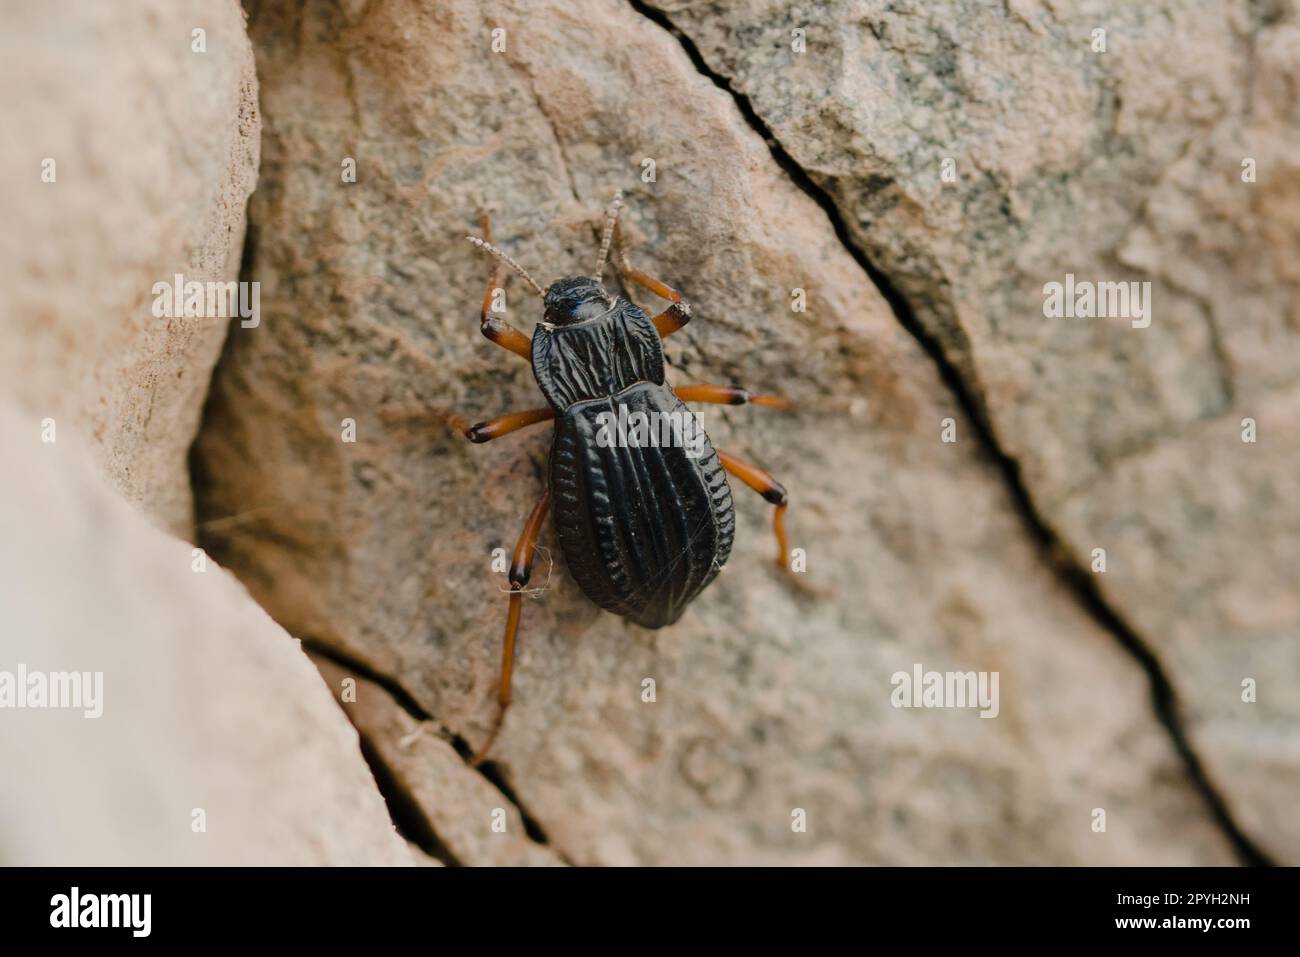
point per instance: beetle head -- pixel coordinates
(575, 299)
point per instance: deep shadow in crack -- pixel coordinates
(491, 771)
(407, 816)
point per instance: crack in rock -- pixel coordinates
(394, 731)
(1073, 576)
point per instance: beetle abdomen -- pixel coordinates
(644, 527)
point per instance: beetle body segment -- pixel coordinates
(597, 357)
(643, 529)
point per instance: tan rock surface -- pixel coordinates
(206, 703)
(766, 701)
(154, 150)
(1169, 157)
(457, 812)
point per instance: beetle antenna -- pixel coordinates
(611, 217)
(482, 244)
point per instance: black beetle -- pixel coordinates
(644, 519)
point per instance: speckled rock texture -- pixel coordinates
(1154, 143)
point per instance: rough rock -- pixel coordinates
(460, 815)
(154, 155)
(1169, 157)
(206, 704)
(767, 701)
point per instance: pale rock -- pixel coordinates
(217, 742)
(155, 151)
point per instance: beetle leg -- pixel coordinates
(495, 329)
(501, 425)
(521, 569)
(677, 314)
(772, 490)
(729, 395)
